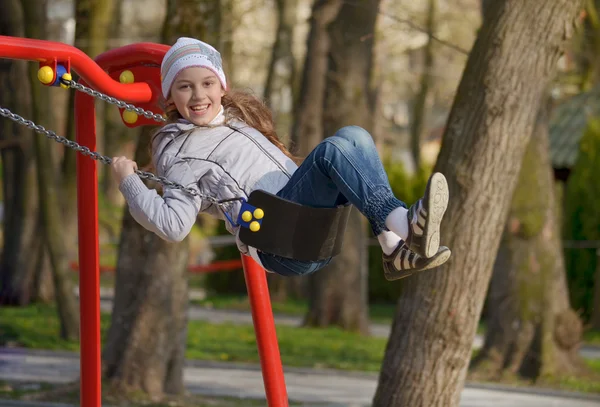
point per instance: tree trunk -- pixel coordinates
(115, 133)
(339, 292)
(279, 95)
(93, 22)
(48, 185)
(531, 330)
(490, 124)
(307, 130)
(281, 75)
(197, 18)
(227, 24)
(146, 342)
(420, 106)
(308, 121)
(20, 241)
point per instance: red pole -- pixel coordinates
(266, 335)
(89, 272)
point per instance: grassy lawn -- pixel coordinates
(37, 327)
(592, 337)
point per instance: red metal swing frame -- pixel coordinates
(102, 74)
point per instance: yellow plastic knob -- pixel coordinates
(46, 75)
(246, 216)
(68, 77)
(259, 213)
(126, 77)
(130, 117)
(255, 226)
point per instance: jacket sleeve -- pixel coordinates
(172, 215)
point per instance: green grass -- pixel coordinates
(37, 327)
(592, 337)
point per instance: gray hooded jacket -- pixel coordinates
(224, 160)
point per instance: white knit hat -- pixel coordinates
(188, 52)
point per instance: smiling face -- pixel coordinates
(197, 95)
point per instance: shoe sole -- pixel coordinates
(435, 262)
(437, 202)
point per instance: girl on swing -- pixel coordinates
(223, 144)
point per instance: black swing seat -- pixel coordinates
(292, 230)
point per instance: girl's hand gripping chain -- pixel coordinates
(122, 167)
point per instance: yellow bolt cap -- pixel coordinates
(255, 226)
(130, 117)
(45, 75)
(126, 77)
(259, 213)
(246, 216)
(66, 76)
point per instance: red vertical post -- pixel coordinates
(89, 268)
(266, 335)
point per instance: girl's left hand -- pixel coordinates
(122, 167)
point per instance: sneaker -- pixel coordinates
(403, 262)
(425, 217)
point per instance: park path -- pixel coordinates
(307, 386)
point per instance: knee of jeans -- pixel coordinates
(356, 135)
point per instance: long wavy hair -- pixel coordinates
(246, 107)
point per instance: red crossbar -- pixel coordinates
(94, 74)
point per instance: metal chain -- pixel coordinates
(146, 113)
(96, 156)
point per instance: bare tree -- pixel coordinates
(308, 121)
(338, 294)
(282, 67)
(92, 29)
(48, 184)
(489, 127)
(420, 104)
(22, 245)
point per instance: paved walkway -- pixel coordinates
(335, 388)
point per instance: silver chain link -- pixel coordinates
(146, 113)
(96, 156)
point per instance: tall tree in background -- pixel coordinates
(48, 183)
(279, 95)
(227, 23)
(92, 29)
(146, 342)
(338, 294)
(281, 76)
(114, 133)
(419, 114)
(587, 55)
(23, 248)
(532, 332)
(307, 130)
(488, 130)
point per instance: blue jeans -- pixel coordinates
(343, 168)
